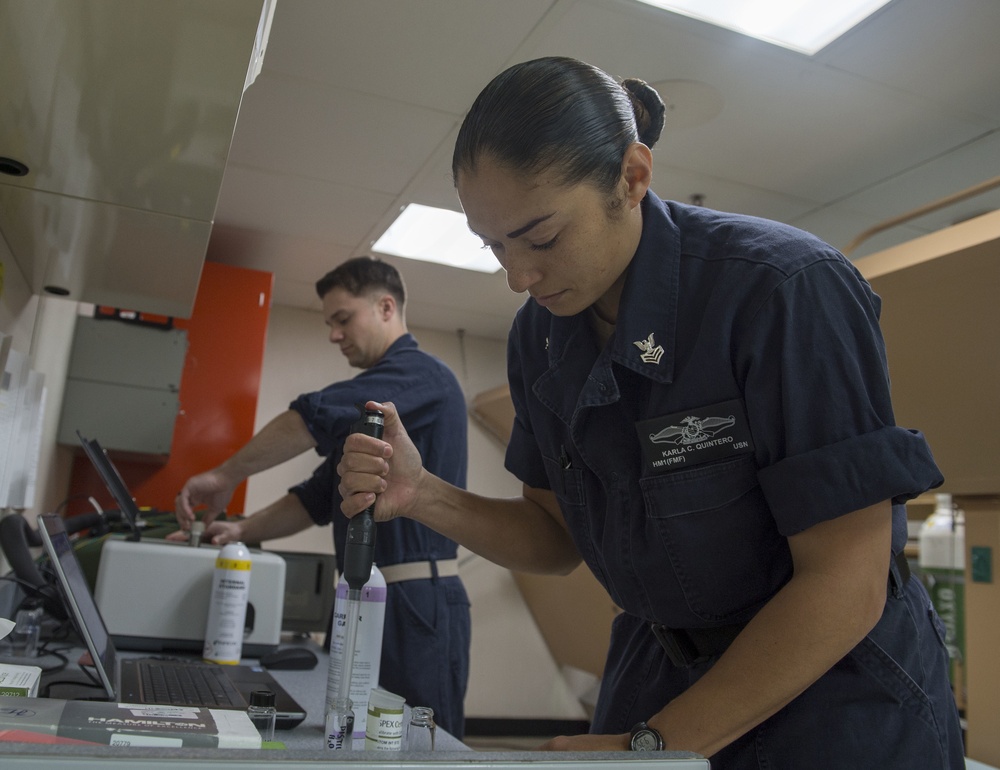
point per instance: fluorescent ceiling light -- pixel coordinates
(436, 235)
(802, 25)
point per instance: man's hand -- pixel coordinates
(390, 469)
(210, 489)
(216, 533)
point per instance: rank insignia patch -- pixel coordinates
(651, 352)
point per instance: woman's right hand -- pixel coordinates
(387, 471)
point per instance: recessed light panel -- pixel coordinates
(436, 235)
(801, 25)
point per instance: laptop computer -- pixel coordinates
(114, 483)
(135, 680)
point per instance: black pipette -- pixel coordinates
(359, 555)
(359, 550)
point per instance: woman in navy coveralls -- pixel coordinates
(703, 416)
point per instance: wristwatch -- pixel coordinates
(645, 738)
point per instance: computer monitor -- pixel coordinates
(310, 591)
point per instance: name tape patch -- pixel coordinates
(694, 436)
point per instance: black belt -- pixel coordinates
(687, 646)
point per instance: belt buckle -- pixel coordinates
(679, 648)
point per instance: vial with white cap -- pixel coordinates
(384, 728)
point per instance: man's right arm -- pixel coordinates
(284, 437)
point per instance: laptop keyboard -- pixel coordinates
(186, 684)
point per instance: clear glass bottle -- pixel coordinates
(420, 730)
(263, 713)
(27, 630)
(340, 725)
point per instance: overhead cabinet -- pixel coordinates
(117, 117)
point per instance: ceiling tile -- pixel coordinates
(435, 53)
(781, 113)
(348, 137)
(925, 49)
(290, 258)
(295, 205)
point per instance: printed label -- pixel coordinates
(339, 730)
(694, 436)
(384, 730)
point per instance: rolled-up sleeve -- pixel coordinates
(817, 395)
(808, 488)
(316, 493)
(328, 414)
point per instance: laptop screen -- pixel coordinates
(114, 482)
(79, 599)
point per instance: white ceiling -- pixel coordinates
(357, 106)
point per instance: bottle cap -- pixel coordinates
(385, 701)
(262, 698)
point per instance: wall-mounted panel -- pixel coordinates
(122, 386)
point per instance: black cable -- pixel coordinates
(63, 662)
(45, 692)
(20, 582)
(61, 651)
(63, 632)
(33, 595)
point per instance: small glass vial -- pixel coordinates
(340, 725)
(263, 713)
(27, 630)
(420, 730)
(197, 530)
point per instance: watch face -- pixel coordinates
(645, 740)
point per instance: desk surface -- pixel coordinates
(305, 746)
(309, 689)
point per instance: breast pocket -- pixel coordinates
(718, 535)
(566, 483)
(569, 488)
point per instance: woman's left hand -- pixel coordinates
(587, 742)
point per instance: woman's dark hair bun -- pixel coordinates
(649, 110)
